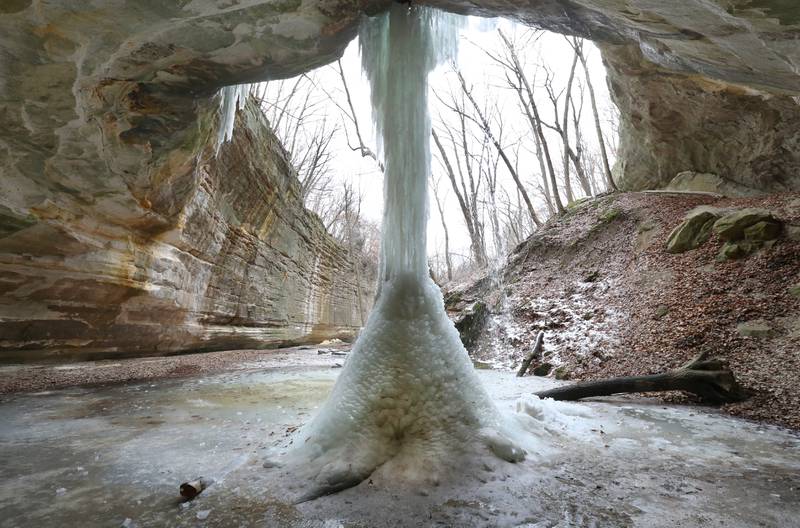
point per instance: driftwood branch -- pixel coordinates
(535, 353)
(710, 379)
(193, 488)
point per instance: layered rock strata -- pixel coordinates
(242, 265)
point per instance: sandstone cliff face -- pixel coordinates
(672, 122)
(244, 265)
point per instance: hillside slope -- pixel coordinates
(612, 301)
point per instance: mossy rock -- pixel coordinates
(562, 373)
(756, 328)
(543, 369)
(795, 290)
(647, 225)
(481, 365)
(737, 250)
(763, 231)
(575, 204)
(661, 311)
(732, 226)
(692, 233)
(609, 215)
(471, 322)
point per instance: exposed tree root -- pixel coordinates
(710, 379)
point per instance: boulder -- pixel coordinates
(755, 328)
(711, 183)
(693, 232)
(543, 369)
(795, 290)
(732, 226)
(738, 249)
(562, 373)
(470, 322)
(763, 231)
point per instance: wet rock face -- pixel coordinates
(244, 265)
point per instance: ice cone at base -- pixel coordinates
(408, 400)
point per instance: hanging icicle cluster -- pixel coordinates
(231, 98)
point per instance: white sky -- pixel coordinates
(550, 49)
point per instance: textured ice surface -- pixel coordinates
(230, 99)
(408, 401)
(120, 452)
(408, 394)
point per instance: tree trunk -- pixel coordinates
(710, 379)
(488, 131)
(447, 261)
(565, 130)
(543, 170)
(606, 167)
(475, 242)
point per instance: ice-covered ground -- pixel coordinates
(574, 323)
(101, 456)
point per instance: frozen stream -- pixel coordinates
(109, 456)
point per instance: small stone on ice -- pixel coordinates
(202, 515)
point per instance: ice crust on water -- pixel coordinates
(408, 400)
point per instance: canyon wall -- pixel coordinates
(243, 265)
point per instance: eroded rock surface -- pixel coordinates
(673, 122)
(243, 265)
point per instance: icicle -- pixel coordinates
(398, 51)
(408, 399)
(231, 98)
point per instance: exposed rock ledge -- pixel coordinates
(243, 266)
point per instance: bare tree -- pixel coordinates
(522, 87)
(565, 127)
(577, 45)
(351, 203)
(447, 260)
(482, 121)
(353, 118)
(299, 121)
(465, 196)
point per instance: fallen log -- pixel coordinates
(193, 488)
(535, 353)
(710, 379)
